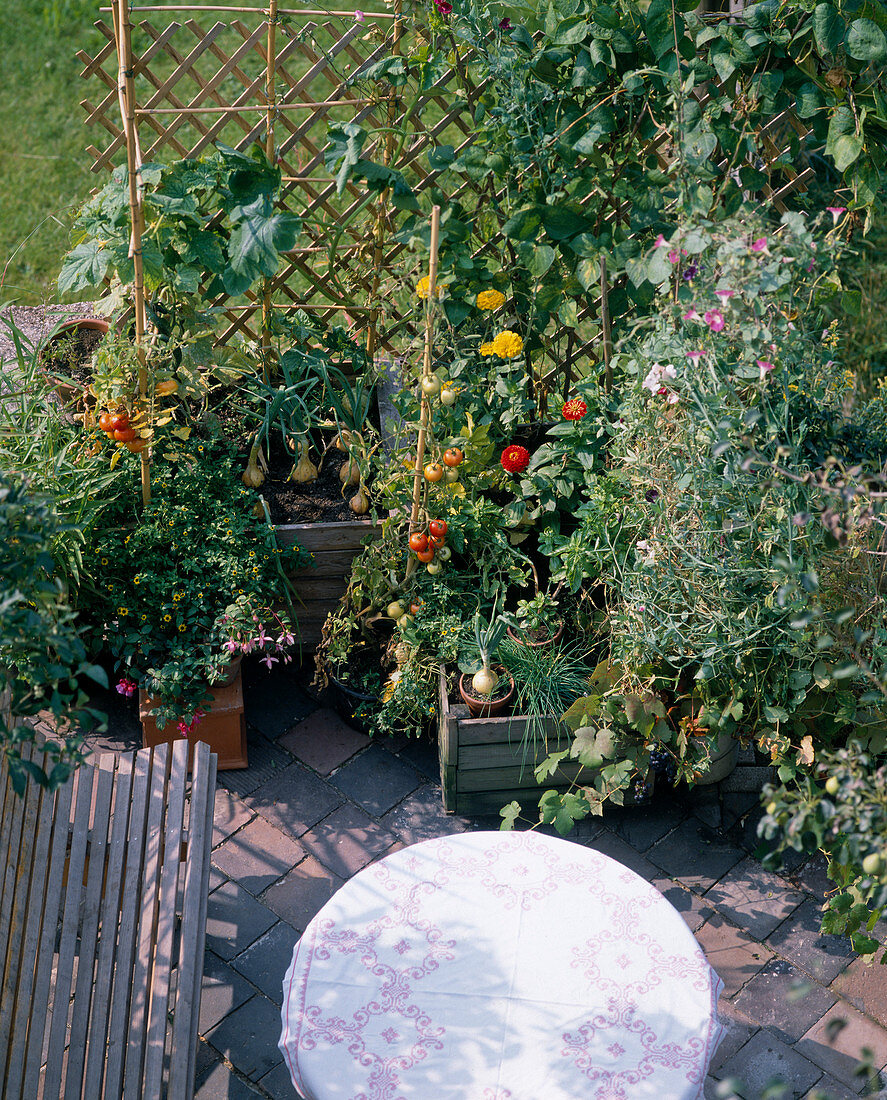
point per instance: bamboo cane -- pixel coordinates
(271, 154)
(126, 96)
(425, 414)
(252, 11)
(606, 329)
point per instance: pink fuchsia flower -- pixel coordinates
(692, 315)
(760, 245)
(232, 647)
(261, 639)
(574, 409)
(714, 319)
(695, 356)
(359, 17)
(286, 638)
(126, 686)
(836, 212)
(268, 661)
(725, 295)
(765, 366)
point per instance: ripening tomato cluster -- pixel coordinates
(452, 457)
(117, 427)
(431, 548)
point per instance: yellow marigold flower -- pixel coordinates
(487, 349)
(423, 287)
(490, 299)
(508, 344)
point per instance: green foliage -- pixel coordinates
(43, 660)
(163, 581)
(210, 225)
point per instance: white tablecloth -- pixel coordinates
(498, 966)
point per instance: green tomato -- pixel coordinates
(404, 621)
(396, 609)
(451, 475)
(434, 567)
(447, 396)
(832, 784)
(430, 385)
(873, 864)
(444, 553)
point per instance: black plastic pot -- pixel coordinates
(351, 704)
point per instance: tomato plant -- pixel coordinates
(437, 528)
(426, 555)
(433, 471)
(418, 541)
(453, 456)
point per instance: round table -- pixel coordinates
(498, 966)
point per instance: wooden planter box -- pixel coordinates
(223, 728)
(320, 587)
(481, 764)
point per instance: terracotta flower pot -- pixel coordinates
(543, 644)
(66, 391)
(485, 708)
(228, 674)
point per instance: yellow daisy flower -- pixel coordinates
(490, 299)
(487, 349)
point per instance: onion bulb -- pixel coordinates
(304, 470)
(349, 473)
(359, 503)
(343, 440)
(484, 681)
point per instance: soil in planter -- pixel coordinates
(70, 357)
(322, 501)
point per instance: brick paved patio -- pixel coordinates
(320, 801)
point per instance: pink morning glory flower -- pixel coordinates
(692, 315)
(724, 295)
(715, 320)
(659, 242)
(760, 245)
(695, 356)
(764, 366)
(836, 212)
(673, 256)
(359, 16)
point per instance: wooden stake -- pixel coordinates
(425, 415)
(271, 154)
(126, 96)
(606, 329)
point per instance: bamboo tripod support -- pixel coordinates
(425, 413)
(271, 154)
(126, 97)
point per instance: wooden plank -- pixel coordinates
(142, 971)
(9, 853)
(91, 909)
(498, 731)
(491, 802)
(60, 816)
(23, 867)
(70, 921)
(193, 929)
(475, 757)
(326, 590)
(97, 1042)
(150, 1083)
(327, 563)
(513, 777)
(118, 1024)
(327, 536)
(24, 1017)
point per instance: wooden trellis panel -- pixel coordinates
(200, 78)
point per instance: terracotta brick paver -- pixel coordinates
(320, 801)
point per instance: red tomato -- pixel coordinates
(416, 607)
(453, 456)
(119, 420)
(433, 471)
(437, 541)
(437, 528)
(105, 422)
(426, 555)
(124, 435)
(136, 445)
(418, 541)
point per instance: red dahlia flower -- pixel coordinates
(574, 409)
(514, 458)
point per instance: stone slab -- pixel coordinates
(258, 855)
(323, 741)
(421, 816)
(294, 800)
(230, 814)
(763, 1058)
(234, 920)
(642, 826)
(301, 893)
(837, 1051)
(695, 854)
(864, 984)
(376, 780)
(732, 953)
(266, 961)
(265, 761)
(347, 840)
(222, 990)
(753, 898)
(692, 908)
(221, 1083)
(613, 846)
(783, 999)
(798, 938)
(247, 1037)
